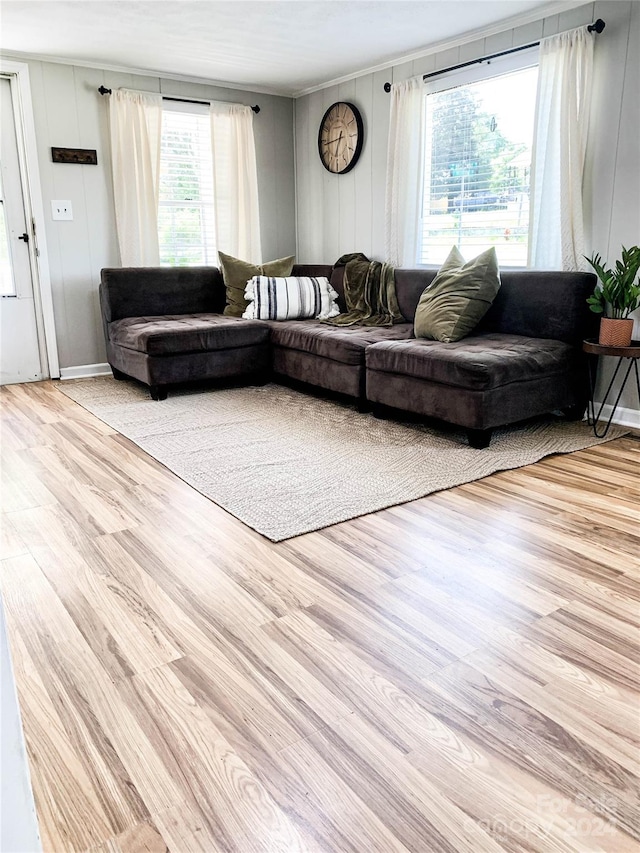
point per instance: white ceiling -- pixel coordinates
(268, 44)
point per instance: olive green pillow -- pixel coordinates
(237, 273)
(458, 297)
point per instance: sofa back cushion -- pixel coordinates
(539, 304)
(410, 285)
(155, 291)
(532, 303)
(313, 270)
(337, 283)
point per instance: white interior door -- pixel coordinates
(20, 352)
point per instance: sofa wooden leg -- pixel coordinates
(575, 413)
(158, 392)
(379, 411)
(479, 438)
(260, 377)
(118, 374)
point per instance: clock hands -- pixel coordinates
(335, 138)
(340, 149)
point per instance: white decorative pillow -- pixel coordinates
(291, 298)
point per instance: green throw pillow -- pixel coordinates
(237, 273)
(458, 297)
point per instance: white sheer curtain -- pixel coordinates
(235, 181)
(404, 172)
(136, 123)
(556, 229)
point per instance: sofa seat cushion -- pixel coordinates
(480, 362)
(346, 344)
(184, 333)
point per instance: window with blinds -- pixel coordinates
(477, 163)
(186, 212)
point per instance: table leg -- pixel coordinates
(594, 419)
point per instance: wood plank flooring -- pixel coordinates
(456, 674)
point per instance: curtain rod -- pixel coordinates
(598, 27)
(104, 91)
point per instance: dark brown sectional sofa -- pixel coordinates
(165, 326)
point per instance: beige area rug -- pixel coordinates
(286, 463)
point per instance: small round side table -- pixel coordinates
(632, 353)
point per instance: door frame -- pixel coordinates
(18, 74)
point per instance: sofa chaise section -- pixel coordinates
(524, 359)
(164, 325)
(162, 351)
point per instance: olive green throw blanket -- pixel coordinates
(369, 292)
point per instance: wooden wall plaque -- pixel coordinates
(85, 156)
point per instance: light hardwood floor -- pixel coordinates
(454, 674)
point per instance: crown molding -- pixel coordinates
(555, 7)
(146, 72)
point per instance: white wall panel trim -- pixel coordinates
(84, 371)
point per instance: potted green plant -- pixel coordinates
(617, 294)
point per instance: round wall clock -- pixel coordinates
(340, 137)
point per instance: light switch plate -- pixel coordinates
(61, 210)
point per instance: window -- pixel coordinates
(477, 162)
(186, 211)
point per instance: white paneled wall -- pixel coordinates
(613, 155)
(345, 213)
(69, 113)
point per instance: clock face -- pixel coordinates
(340, 137)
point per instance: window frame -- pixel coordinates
(207, 209)
(519, 60)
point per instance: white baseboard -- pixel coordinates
(83, 371)
(623, 417)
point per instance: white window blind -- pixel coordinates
(186, 211)
(477, 163)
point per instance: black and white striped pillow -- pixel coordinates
(291, 298)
